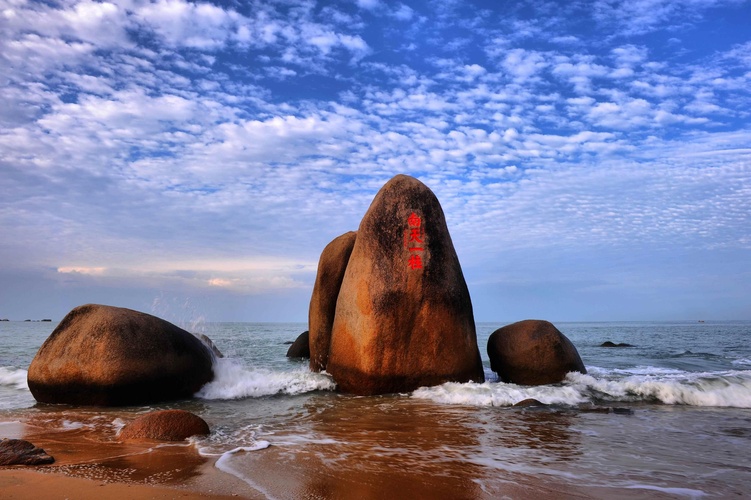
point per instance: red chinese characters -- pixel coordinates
(413, 241)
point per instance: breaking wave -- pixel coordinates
(234, 381)
(12, 377)
(641, 384)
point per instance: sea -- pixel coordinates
(668, 417)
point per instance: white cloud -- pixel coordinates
(523, 64)
(178, 144)
(368, 4)
(403, 13)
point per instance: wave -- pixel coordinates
(234, 381)
(642, 384)
(12, 377)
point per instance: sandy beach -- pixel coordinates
(91, 463)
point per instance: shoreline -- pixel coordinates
(24, 482)
(91, 463)
(370, 451)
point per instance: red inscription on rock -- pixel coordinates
(413, 238)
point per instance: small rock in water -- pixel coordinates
(166, 425)
(613, 344)
(300, 348)
(606, 409)
(20, 452)
(529, 402)
(623, 411)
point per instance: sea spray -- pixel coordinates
(14, 378)
(716, 389)
(642, 384)
(498, 394)
(232, 380)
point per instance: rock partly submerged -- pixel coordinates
(165, 425)
(403, 315)
(111, 356)
(331, 267)
(300, 348)
(532, 352)
(608, 343)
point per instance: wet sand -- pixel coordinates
(91, 463)
(357, 448)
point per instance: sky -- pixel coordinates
(192, 159)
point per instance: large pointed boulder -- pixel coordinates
(532, 352)
(331, 267)
(403, 315)
(111, 356)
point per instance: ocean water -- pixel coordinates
(669, 417)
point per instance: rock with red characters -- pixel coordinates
(403, 314)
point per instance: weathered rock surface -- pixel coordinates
(403, 315)
(210, 344)
(111, 356)
(20, 452)
(331, 267)
(166, 425)
(300, 348)
(532, 352)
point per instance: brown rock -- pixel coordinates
(331, 267)
(532, 352)
(608, 343)
(110, 356)
(165, 425)
(524, 403)
(403, 316)
(20, 452)
(210, 344)
(300, 348)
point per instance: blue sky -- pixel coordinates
(192, 160)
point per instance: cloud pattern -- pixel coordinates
(170, 143)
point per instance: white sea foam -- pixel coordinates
(719, 389)
(72, 425)
(225, 464)
(13, 377)
(234, 381)
(498, 394)
(682, 492)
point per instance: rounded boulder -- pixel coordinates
(165, 425)
(300, 348)
(111, 356)
(532, 352)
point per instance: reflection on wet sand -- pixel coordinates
(85, 445)
(404, 448)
